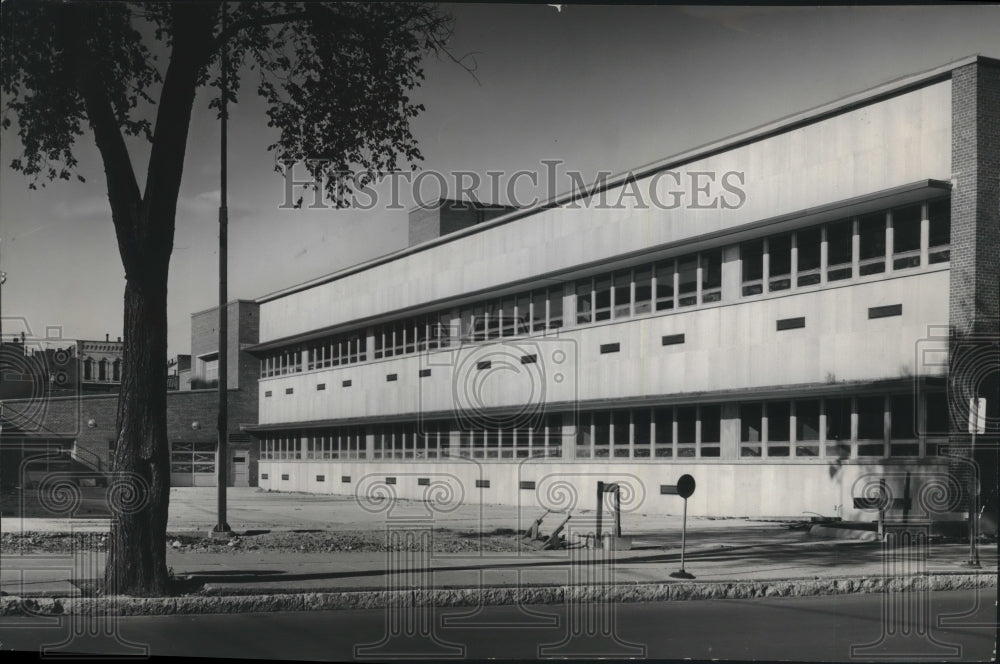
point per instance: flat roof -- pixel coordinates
(886, 90)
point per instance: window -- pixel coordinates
(664, 423)
(553, 442)
(871, 232)
(88, 369)
(906, 237)
(664, 285)
(808, 244)
(751, 431)
(584, 308)
(711, 276)
(602, 434)
(277, 363)
(752, 264)
(623, 294)
(506, 317)
(643, 289)
(480, 322)
(807, 428)
(602, 298)
(939, 241)
(555, 307)
(686, 417)
(102, 370)
(523, 321)
(871, 426)
(779, 251)
(838, 427)
(903, 439)
(687, 281)
(936, 424)
(778, 419)
(622, 434)
(711, 418)
(839, 250)
(641, 429)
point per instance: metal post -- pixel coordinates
(684, 525)
(600, 512)
(618, 510)
(973, 490)
(682, 574)
(222, 457)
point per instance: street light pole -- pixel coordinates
(222, 458)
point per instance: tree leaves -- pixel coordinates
(335, 78)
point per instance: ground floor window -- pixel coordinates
(871, 426)
(664, 432)
(192, 464)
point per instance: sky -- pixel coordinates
(600, 88)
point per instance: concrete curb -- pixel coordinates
(472, 597)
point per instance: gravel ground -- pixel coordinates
(313, 541)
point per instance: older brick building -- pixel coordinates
(81, 425)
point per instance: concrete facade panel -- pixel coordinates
(734, 347)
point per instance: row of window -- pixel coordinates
(678, 282)
(845, 249)
(666, 432)
(768, 264)
(515, 315)
(831, 427)
(102, 369)
(432, 440)
(421, 440)
(413, 335)
(838, 427)
(867, 426)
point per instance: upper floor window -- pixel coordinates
(752, 265)
(808, 250)
(871, 243)
(939, 240)
(779, 251)
(839, 250)
(906, 237)
(711, 275)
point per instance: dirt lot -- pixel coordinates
(444, 541)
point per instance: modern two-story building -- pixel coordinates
(773, 314)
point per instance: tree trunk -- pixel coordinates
(140, 487)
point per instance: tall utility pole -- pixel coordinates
(222, 458)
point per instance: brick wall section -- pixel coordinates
(975, 203)
(450, 216)
(243, 328)
(974, 306)
(424, 224)
(69, 417)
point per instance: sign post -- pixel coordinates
(977, 425)
(685, 489)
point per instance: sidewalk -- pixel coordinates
(728, 557)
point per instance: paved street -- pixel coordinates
(818, 628)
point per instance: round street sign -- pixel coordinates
(685, 486)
